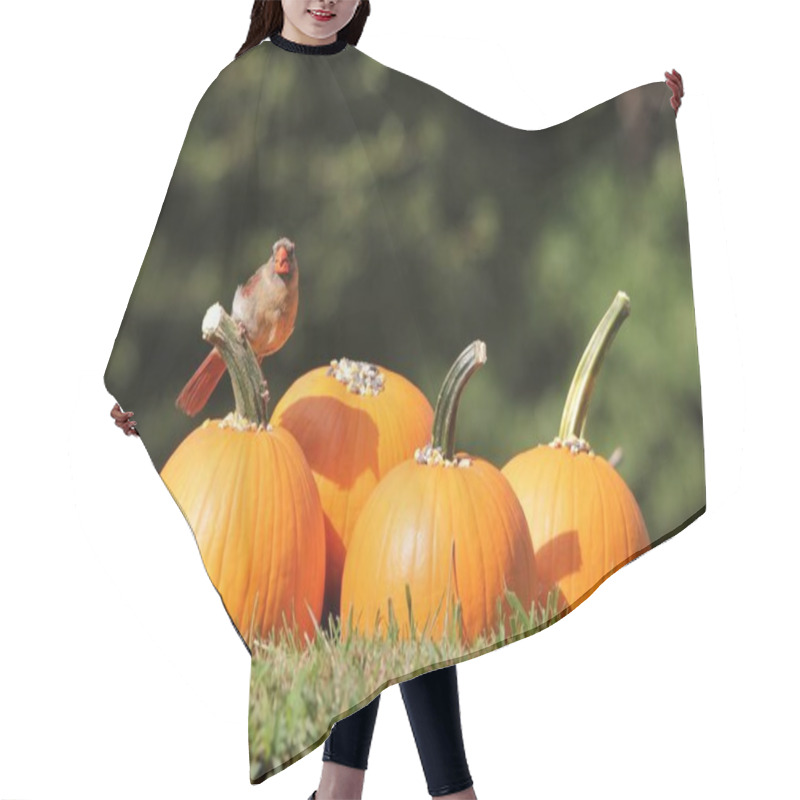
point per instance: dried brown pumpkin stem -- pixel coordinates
(249, 386)
(576, 409)
(444, 416)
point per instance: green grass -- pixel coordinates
(297, 693)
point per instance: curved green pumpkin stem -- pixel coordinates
(249, 386)
(444, 416)
(576, 409)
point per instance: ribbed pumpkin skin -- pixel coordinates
(254, 508)
(584, 520)
(351, 441)
(405, 533)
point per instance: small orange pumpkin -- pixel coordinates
(584, 521)
(445, 526)
(354, 421)
(248, 494)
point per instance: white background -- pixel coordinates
(121, 675)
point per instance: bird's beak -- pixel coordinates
(282, 261)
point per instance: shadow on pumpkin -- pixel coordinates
(341, 445)
(320, 424)
(335, 551)
(555, 560)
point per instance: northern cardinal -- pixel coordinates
(265, 309)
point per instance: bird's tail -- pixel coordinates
(195, 394)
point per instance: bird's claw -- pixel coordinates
(124, 420)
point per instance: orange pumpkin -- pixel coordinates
(249, 496)
(444, 526)
(583, 519)
(354, 421)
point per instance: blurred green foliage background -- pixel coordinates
(420, 226)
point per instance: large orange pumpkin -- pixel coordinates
(583, 519)
(249, 496)
(354, 421)
(447, 528)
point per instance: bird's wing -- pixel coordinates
(245, 292)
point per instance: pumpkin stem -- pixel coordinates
(249, 386)
(444, 416)
(576, 409)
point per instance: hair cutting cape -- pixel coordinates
(458, 387)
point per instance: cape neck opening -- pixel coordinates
(308, 49)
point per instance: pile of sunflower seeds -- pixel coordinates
(575, 445)
(433, 455)
(239, 423)
(360, 377)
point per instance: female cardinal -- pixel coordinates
(265, 309)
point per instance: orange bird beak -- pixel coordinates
(282, 266)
